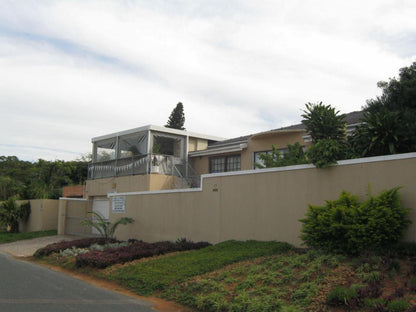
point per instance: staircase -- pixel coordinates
(187, 177)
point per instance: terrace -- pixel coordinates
(146, 150)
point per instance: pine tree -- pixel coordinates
(177, 118)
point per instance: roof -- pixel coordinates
(242, 139)
(239, 143)
(159, 129)
(350, 118)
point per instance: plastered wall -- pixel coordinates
(261, 205)
(43, 216)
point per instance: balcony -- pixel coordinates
(142, 164)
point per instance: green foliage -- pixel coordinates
(341, 296)
(389, 120)
(104, 226)
(328, 131)
(294, 156)
(398, 305)
(41, 179)
(264, 284)
(12, 213)
(7, 237)
(326, 152)
(322, 122)
(177, 118)
(348, 226)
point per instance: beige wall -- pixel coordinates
(133, 183)
(43, 215)
(262, 204)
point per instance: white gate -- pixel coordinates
(102, 207)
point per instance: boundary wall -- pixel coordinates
(261, 204)
(43, 215)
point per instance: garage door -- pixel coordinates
(102, 207)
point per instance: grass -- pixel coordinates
(145, 278)
(6, 237)
(272, 283)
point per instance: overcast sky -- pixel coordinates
(73, 70)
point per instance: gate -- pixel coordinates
(76, 211)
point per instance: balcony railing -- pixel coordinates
(143, 164)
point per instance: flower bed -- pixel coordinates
(79, 243)
(137, 250)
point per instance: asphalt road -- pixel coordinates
(27, 287)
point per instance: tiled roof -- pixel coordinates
(350, 118)
(242, 139)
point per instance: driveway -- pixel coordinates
(26, 248)
(26, 286)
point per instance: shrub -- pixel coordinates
(348, 226)
(397, 306)
(341, 296)
(325, 153)
(11, 214)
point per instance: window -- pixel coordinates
(259, 161)
(225, 163)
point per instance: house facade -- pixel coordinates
(154, 158)
(242, 153)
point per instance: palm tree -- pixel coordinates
(11, 214)
(104, 226)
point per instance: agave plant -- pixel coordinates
(104, 226)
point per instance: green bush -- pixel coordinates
(341, 296)
(350, 227)
(326, 152)
(397, 306)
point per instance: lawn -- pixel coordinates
(6, 237)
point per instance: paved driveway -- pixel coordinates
(27, 247)
(25, 286)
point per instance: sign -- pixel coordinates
(119, 204)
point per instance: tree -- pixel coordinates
(328, 132)
(177, 118)
(11, 214)
(389, 125)
(41, 179)
(323, 122)
(104, 226)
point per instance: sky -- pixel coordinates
(73, 70)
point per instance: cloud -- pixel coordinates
(73, 70)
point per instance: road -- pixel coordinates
(25, 286)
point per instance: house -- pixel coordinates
(158, 158)
(243, 152)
